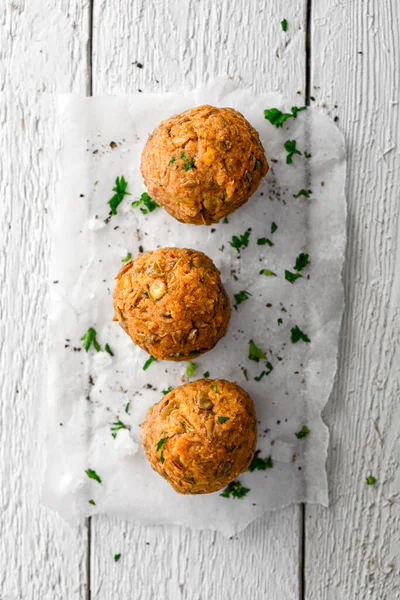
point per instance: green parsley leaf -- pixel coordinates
(263, 241)
(260, 376)
(225, 220)
(214, 387)
(290, 147)
(245, 374)
(371, 480)
(291, 277)
(93, 475)
(284, 25)
(147, 201)
(240, 242)
(307, 155)
(280, 321)
(255, 353)
(190, 369)
(301, 262)
(274, 227)
(297, 335)
(117, 426)
(90, 338)
(257, 164)
(260, 464)
(235, 490)
(127, 257)
(148, 362)
(108, 349)
(120, 192)
(167, 391)
(277, 117)
(206, 375)
(303, 432)
(117, 557)
(127, 407)
(223, 419)
(92, 502)
(241, 297)
(160, 444)
(267, 273)
(172, 160)
(188, 162)
(302, 192)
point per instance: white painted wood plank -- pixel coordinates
(353, 549)
(180, 43)
(43, 49)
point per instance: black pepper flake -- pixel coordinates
(138, 64)
(312, 98)
(141, 248)
(81, 195)
(336, 119)
(55, 281)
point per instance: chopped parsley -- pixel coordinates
(263, 241)
(290, 147)
(93, 475)
(307, 155)
(190, 369)
(267, 273)
(261, 375)
(147, 201)
(159, 447)
(214, 387)
(148, 362)
(206, 375)
(167, 391)
(188, 162)
(302, 192)
(304, 431)
(120, 192)
(371, 480)
(280, 321)
(117, 557)
(297, 335)
(257, 164)
(260, 464)
(127, 407)
(274, 227)
(284, 25)
(127, 257)
(241, 297)
(241, 241)
(245, 374)
(235, 490)
(172, 160)
(277, 117)
(225, 220)
(108, 349)
(117, 426)
(255, 353)
(291, 277)
(92, 502)
(301, 262)
(223, 419)
(90, 338)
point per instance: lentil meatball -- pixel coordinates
(172, 303)
(201, 435)
(203, 164)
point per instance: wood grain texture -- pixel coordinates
(181, 43)
(353, 549)
(43, 49)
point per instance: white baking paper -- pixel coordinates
(88, 392)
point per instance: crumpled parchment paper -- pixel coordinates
(88, 392)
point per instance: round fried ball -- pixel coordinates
(201, 435)
(172, 303)
(203, 164)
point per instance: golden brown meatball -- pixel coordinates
(172, 303)
(203, 164)
(201, 435)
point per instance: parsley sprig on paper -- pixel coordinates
(120, 192)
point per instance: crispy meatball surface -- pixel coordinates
(203, 164)
(172, 303)
(201, 435)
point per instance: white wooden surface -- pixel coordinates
(352, 549)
